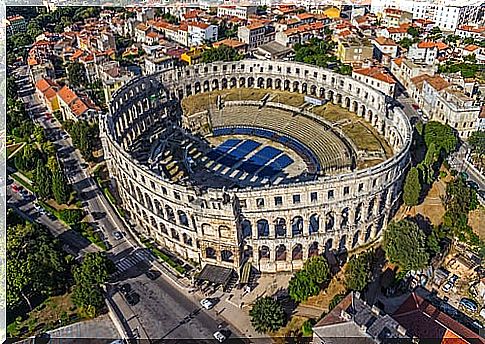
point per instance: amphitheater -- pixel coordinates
(256, 161)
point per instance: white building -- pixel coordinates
(384, 46)
(448, 15)
(377, 78)
(201, 33)
(155, 64)
(238, 11)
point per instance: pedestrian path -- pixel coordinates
(132, 260)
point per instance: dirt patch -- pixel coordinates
(323, 299)
(292, 329)
(476, 220)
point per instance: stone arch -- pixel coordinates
(227, 256)
(304, 88)
(205, 85)
(206, 228)
(358, 213)
(183, 219)
(260, 82)
(314, 225)
(362, 111)
(370, 208)
(215, 84)
(175, 234)
(338, 99)
(368, 233)
(297, 226)
(329, 221)
(297, 252)
(233, 82)
(197, 87)
(246, 229)
(313, 90)
(263, 228)
(345, 217)
(280, 227)
(355, 106)
(280, 252)
(322, 92)
(330, 95)
(250, 81)
(187, 239)
(210, 253)
(170, 213)
(242, 81)
(277, 84)
(153, 222)
(163, 228)
(355, 239)
(342, 245)
(248, 252)
(264, 252)
(223, 83)
(286, 85)
(158, 208)
(296, 86)
(347, 103)
(313, 250)
(269, 83)
(329, 245)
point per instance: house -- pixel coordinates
(384, 47)
(393, 17)
(424, 321)
(426, 52)
(378, 78)
(470, 49)
(15, 24)
(193, 56)
(354, 321)
(46, 90)
(448, 104)
(252, 35)
(74, 107)
(395, 33)
(158, 63)
(471, 31)
(239, 46)
(112, 77)
(201, 33)
(299, 34)
(238, 11)
(272, 51)
(405, 69)
(353, 49)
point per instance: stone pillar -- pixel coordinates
(272, 231)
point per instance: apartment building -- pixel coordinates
(201, 33)
(378, 78)
(15, 24)
(238, 11)
(252, 35)
(384, 46)
(392, 17)
(75, 107)
(404, 70)
(352, 49)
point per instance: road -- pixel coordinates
(459, 161)
(165, 310)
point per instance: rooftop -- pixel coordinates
(376, 73)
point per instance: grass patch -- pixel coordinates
(22, 182)
(164, 257)
(54, 312)
(12, 148)
(204, 101)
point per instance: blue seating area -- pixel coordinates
(295, 145)
(223, 148)
(260, 159)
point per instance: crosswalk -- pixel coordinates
(132, 260)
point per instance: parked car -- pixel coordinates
(219, 336)
(472, 185)
(152, 275)
(132, 298)
(482, 313)
(207, 303)
(468, 305)
(118, 235)
(125, 288)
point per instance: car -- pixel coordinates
(118, 235)
(125, 288)
(447, 286)
(151, 275)
(42, 338)
(219, 336)
(464, 175)
(482, 313)
(468, 305)
(207, 303)
(419, 111)
(16, 188)
(453, 279)
(37, 207)
(473, 185)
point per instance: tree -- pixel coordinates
(302, 286)
(335, 301)
(94, 271)
(71, 216)
(477, 142)
(83, 136)
(60, 188)
(76, 74)
(358, 271)
(221, 53)
(405, 42)
(317, 268)
(442, 135)
(35, 264)
(414, 32)
(412, 187)
(42, 180)
(267, 315)
(405, 245)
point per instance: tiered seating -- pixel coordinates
(329, 149)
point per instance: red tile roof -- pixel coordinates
(471, 47)
(425, 321)
(376, 73)
(384, 41)
(67, 95)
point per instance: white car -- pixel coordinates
(447, 286)
(206, 303)
(219, 336)
(118, 235)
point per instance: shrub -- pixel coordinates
(71, 216)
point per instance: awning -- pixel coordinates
(215, 274)
(245, 273)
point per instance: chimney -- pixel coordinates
(401, 330)
(375, 310)
(345, 315)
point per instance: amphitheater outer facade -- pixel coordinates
(228, 227)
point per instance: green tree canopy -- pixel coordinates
(76, 74)
(302, 286)
(358, 271)
(317, 268)
(442, 135)
(221, 53)
(60, 188)
(412, 187)
(405, 245)
(267, 315)
(35, 264)
(477, 142)
(42, 180)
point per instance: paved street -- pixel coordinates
(165, 310)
